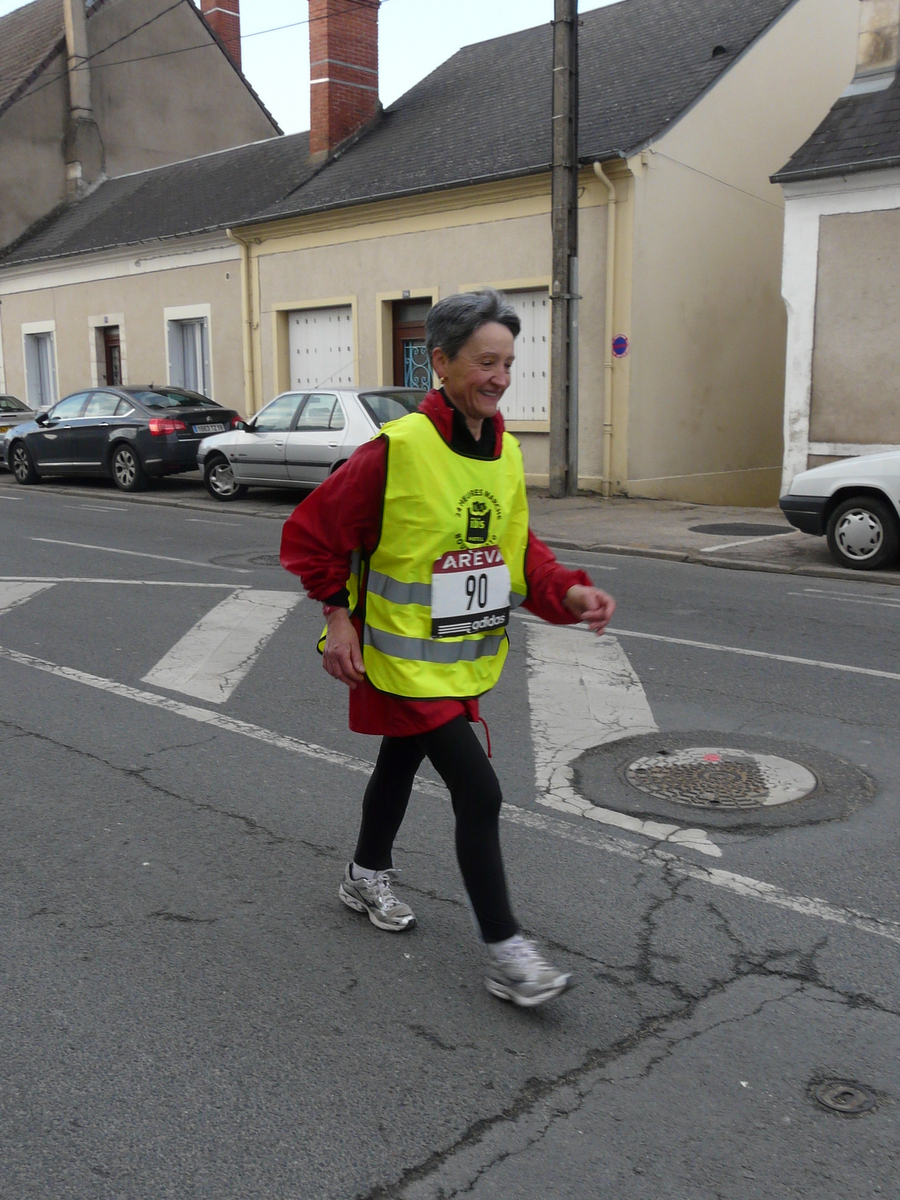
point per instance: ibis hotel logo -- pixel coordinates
(479, 515)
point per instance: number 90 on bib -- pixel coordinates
(469, 592)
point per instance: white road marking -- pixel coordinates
(843, 598)
(788, 658)
(214, 656)
(741, 885)
(123, 582)
(14, 593)
(594, 566)
(188, 562)
(98, 507)
(203, 521)
(14, 499)
(745, 542)
(585, 694)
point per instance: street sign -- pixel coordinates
(620, 346)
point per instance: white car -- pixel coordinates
(855, 503)
(299, 438)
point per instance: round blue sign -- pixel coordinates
(620, 346)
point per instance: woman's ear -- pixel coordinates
(440, 362)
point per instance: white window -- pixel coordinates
(189, 354)
(40, 369)
(320, 341)
(528, 397)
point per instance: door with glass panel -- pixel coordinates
(259, 450)
(315, 442)
(54, 443)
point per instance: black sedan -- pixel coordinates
(130, 434)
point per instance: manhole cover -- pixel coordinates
(741, 529)
(734, 781)
(715, 777)
(842, 1096)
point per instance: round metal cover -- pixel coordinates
(720, 777)
(842, 1096)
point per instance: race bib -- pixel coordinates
(469, 592)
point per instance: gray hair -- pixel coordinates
(454, 319)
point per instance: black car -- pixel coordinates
(131, 434)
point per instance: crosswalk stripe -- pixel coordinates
(16, 592)
(214, 656)
(584, 693)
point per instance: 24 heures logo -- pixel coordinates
(478, 513)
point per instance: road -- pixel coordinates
(190, 1012)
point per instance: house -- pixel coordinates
(686, 109)
(841, 279)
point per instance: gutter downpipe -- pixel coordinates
(247, 316)
(606, 481)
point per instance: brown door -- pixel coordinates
(113, 355)
(411, 367)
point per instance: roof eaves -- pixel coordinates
(53, 257)
(237, 70)
(33, 75)
(835, 169)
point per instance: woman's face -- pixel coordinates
(477, 377)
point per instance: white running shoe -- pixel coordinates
(517, 972)
(376, 898)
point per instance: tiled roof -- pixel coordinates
(861, 133)
(28, 37)
(484, 114)
(194, 196)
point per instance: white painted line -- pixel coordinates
(98, 507)
(141, 554)
(123, 582)
(584, 694)
(594, 566)
(788, 658)
(203, 521)
(741, 885)
(12, 594)
(746, 542)
(811, 594)
(214, 656)
(15, 499)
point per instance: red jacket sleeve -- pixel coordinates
(343, 514)
(548, 581)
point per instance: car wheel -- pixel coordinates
(863, 533)
(219, 480)
(22, 465)
(127, 470)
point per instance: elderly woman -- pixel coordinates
(419, 547)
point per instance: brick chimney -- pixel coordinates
(343, 68)
(224, 16)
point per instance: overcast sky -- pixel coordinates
(415, 36)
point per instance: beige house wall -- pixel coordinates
(708, 324)
(155, 108)
(135, 295)
(433, 246)
(856, 352)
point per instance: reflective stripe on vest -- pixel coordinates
(438, 502)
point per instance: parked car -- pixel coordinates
(130, 434)
(855, 503)
(12, 412)
(299, 438)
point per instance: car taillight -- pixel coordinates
(161, 425)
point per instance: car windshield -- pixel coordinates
(173, 398)
(389, 406)
(11, 404)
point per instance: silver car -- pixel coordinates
(12, 412)
(299, 438)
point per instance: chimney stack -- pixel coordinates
(343, 68)
(877, 49)
(224, 17)
(83, 145)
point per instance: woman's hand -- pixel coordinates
(591, 605)
(342, 656)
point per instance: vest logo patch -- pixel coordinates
(478, 513)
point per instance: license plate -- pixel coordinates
(209, 428)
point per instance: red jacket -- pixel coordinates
(344, 514)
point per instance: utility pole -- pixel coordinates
(564, 221)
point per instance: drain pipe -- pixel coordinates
(247, 314)
(606, 481)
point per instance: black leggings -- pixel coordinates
(456, 754)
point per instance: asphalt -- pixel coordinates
(703, 534)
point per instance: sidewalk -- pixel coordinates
(749, 539)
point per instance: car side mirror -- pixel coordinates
(240, 425)
(42, 418)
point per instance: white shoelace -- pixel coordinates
(381, 886)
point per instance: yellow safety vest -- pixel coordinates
(448, 568)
